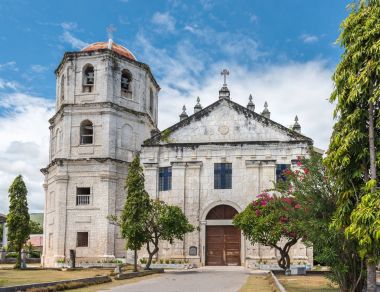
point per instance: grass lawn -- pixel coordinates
(19, 277)
(258, 283)
(313, 283)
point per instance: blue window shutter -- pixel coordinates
(280, 168)
(222, 176)
(165, 178)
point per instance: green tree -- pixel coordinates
(165, 223)
(18, 217)
(352, 157)
(35, 227)
(272, 221)
(136, 209)
(317, 193)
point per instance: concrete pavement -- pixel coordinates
(209, 279)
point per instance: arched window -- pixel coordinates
(126, 83)
(62, 90)
(86, 132)
(88, 78)
(151, 101)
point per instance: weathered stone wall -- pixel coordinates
(253, 170)
(120, 126)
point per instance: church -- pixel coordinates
(211, 164)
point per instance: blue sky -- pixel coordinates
(282, 52)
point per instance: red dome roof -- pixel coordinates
(115, 47)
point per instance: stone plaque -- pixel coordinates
(193, 251)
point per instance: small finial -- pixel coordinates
(266, 112)
(296, 127)
(251, 105)
(184, 114)
(198, 106)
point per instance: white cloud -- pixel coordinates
(24, 145)
(11, 65)
(69, 25)
(164, 21)
(73, 41)
(309, 39)
(4, 84)
(38, 68)
(234, 44)
(207, 4)
(253, 18)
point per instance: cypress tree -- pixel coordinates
(18, 217)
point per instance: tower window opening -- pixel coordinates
(83, 196)
(151, 101)
(126, 84)
(82, 239)
(62, 90)
(86, 133)
(88, 78)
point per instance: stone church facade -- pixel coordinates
(211, 164)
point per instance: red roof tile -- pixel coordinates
(115, 47)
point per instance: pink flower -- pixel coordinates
(263, 203)
(297, 206)
(299, 163)
(283, 219)
(257, 213)
(306, 170)
(287, 200)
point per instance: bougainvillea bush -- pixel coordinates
(273, 221)
(315, 190)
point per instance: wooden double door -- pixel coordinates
(223, 246)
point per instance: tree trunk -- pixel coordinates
(135, 261)
(371, 276)
(371, 267)
(18, 260)
(151, 255)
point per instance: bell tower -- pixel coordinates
(106, 106)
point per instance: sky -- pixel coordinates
(283, 52)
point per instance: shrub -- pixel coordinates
(12, 254)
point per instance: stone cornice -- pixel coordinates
(235, 143)
(60, 161)
(106, 104)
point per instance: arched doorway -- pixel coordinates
(223, 241)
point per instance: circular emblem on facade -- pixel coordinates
(223, 129)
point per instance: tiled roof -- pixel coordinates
(114, 47)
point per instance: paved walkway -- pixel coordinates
(209, 279)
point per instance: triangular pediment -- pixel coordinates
(225, 121)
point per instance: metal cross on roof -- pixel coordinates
(110, 30)
(225, 72)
